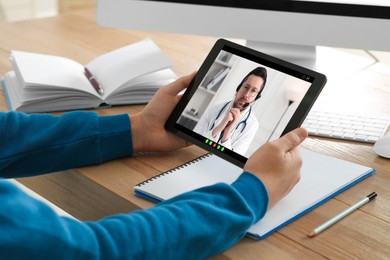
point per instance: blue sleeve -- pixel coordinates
(42, 143)
(194, 225)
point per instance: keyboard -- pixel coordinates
(360, 128)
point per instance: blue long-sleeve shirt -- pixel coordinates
(194, 225)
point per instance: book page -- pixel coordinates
(142, 87)
(114, 69)
(48, 72)
(33, 100)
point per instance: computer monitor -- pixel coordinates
(289, 29)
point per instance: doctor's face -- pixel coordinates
(248, 92)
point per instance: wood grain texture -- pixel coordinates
(97, 191)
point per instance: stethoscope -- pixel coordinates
(243, 122)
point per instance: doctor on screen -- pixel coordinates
(232, 123)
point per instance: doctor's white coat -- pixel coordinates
(242, 135)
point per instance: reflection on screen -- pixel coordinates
(232, 111)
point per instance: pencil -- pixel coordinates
(342, 215)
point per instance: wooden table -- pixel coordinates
(93, 192)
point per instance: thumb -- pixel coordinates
(292, 139)
(180, 84)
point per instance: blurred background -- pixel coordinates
(15, 10)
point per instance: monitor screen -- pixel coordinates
(357, 8)
(288, 29)
(345, 23)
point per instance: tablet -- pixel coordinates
(240, 99)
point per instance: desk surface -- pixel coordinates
(97, 191)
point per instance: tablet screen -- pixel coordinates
(241, 99)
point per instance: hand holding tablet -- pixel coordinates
(259, 98)
(271, 98)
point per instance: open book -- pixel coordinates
(322, 178)
(128, 75)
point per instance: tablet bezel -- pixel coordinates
(296, 120)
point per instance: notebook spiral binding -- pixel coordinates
(174, 169)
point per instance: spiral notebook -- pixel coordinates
(322, 178)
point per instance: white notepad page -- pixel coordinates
(322, 178)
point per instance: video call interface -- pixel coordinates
(232, 112)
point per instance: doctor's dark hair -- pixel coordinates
(259, 72)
